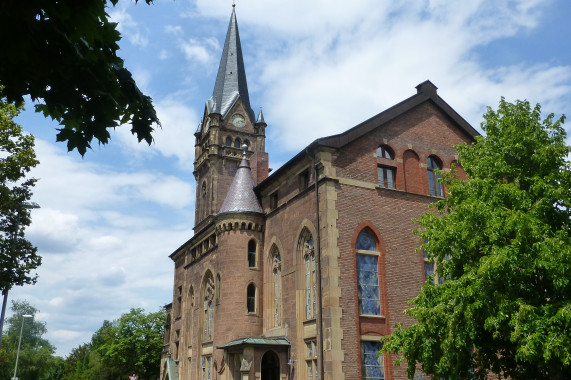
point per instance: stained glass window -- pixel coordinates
(368, 285)
(372, 366)
(365, 242)
(434, 185)
(368, 275)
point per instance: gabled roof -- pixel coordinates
(241, 197)
(426, 91)
(231, 83)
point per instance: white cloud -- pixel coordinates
(197, 51)
(363, 67)
(128, 27)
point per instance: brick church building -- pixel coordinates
(297, 274)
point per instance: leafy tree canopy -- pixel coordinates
(502, 241)
(36, 360)
(17, 157)
(63, 54)
(129, 345)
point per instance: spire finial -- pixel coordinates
(244, 150)
(233, 4)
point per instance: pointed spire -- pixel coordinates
(231, 81)
(241, 196)
(260, 118)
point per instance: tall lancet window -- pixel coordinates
(368, 274)
(308, 254)
(208, 309)
(277, 279)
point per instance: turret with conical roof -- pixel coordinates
(241, 197)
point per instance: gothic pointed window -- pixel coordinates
(276, 276)
(189, 316)
(368, 274)
(432, 166)
(310, 268)
(228, 141)
(208, 310)
(237, 143)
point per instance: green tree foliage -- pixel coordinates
(37, 361)
(502, 241)
(130, 345)
(17, 157)
(64, 55)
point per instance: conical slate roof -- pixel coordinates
(260, 119)
(241, 196)
(231, 81)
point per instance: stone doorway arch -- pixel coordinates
(270, 366)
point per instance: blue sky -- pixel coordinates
(109, 220)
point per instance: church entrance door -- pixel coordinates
(270, 366)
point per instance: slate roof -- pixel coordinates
(231, 81)
(241, 197)
(277, 341)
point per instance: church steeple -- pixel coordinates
(231, 81)
(228, 123)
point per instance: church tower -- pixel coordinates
(228, 123)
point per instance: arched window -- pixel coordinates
(208, 318)
(189, 316)
(247, 142)
(251, 298)
(368, 274)
(237, 143)
(276, 265)
(252, 254)
(434, 186)
(308, 253)
(384, 151)
(228, 141)
(385, 170)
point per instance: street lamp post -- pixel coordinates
(20, 345)
(28, 205)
